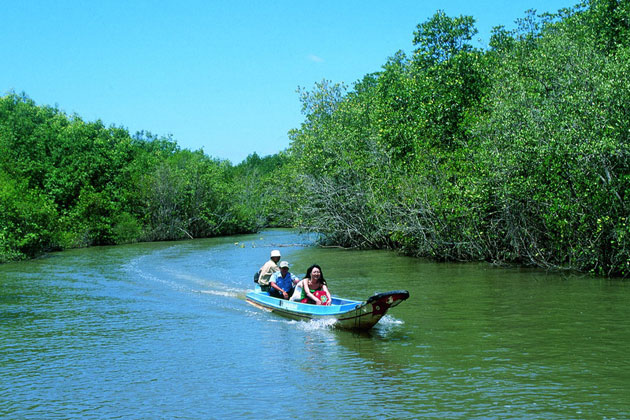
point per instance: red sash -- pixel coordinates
(319, 294)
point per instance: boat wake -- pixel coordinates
(390, 321)
(387, 325)
(223, 293)
(153, 269)
(315, 324)
(304, 325)
(138, 269)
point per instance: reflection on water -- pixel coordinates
(163, 331)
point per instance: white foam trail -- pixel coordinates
(390, 321)
(136, 268)
(316, 324)
(224, 293)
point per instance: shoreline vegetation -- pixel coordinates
(514, 154)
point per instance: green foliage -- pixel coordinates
(27, 220)
(442, 38)
(518, 154)
(558, 140)
(69, 183)
(266, 189)
(608, 22)
(126, 228)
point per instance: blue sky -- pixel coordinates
(216, 75)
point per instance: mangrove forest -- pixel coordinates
(515, 153)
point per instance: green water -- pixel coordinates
(163, 331)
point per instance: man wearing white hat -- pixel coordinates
(267, 270)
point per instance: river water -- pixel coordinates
(162, 330)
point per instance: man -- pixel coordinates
(283, 282)
(267, 270)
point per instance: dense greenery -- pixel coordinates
(518, 153)
(515, 154)
(67, 183)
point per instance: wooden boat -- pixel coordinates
(348, 314)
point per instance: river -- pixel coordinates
(162, 330)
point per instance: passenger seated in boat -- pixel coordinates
(282, 282)
(267, 270)
(313, 288)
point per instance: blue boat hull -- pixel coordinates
(348, 314)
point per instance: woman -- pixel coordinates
(313, 286)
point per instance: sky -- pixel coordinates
(216, 75)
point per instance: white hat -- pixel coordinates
(275, 253)
(283, 264)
